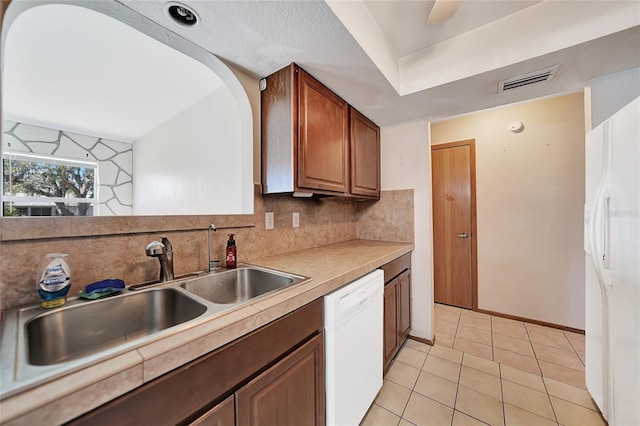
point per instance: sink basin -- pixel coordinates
(83, 329)
(238, 285)
(37, 344)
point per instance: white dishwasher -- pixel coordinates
(353, 322)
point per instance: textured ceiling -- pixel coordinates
(262, 37)
(404, 22)
(355, 47)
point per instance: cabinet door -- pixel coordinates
(390, 321)
(289, 393)
(365, 156)
(222, 414)
(404, 305)
(323, 150)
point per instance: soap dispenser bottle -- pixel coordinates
(231, 252)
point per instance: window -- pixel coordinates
(42, 186)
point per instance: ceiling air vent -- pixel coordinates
(526, 79)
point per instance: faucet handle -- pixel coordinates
(155, 248)
(166, 243)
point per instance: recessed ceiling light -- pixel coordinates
(182, 14)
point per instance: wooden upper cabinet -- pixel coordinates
(313, 141)
(365, 156)
(323, 138)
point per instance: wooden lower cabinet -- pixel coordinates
(291, 393)
(222, 414)
(397, 306)
(390, 322)
(404, 304)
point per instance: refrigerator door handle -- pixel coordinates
(599, 218)
(597, 233)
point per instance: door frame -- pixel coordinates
(471, 143)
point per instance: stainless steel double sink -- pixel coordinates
(81, 331)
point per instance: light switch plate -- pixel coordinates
(296, 220)
(268, 220)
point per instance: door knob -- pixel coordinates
(463, 235)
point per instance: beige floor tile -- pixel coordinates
(474, 314)
(515, 416)
(555, 340)
(516, 360)
(445, 340)
(482, 364)
(558, 356)
(481, 323)
(447, 353)
(479, 406)
(583, 359)
(474, 334)
(570, 414)
(418, 346)
(542, 328)
(512, 344)
(578, 337)
(436, 388)
(506, 321)
(404, 422)
(570, 393)
(528, 399)
(411, 357)
(393, 397)
(402, 374)
(474, 348)
(511, 331)
(378, 416)
(442, 326)
(522, 377)
(449, 308)
(563, 374)
(577, 346)
(443, 368)
(424, 411)
(461, 419)
(446, 316)
(481, 382)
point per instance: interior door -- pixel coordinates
(453, 173)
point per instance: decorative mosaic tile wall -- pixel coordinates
(114, 159)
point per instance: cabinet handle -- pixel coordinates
(463, 235)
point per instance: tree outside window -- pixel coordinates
(33, 184)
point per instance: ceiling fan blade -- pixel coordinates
(442, 10)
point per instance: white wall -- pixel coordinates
(207, 136)
(612, 92)
(406, 164)
(530, 198)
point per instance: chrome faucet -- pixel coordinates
(212, 263)
(164, 252)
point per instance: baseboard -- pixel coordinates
(533, 321)
(421, 340)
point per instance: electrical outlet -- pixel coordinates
(268, 220)
(296, 220)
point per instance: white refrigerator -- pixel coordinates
(612, 246)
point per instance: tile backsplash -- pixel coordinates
(115, 253)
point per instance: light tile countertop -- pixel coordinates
(73, 394)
